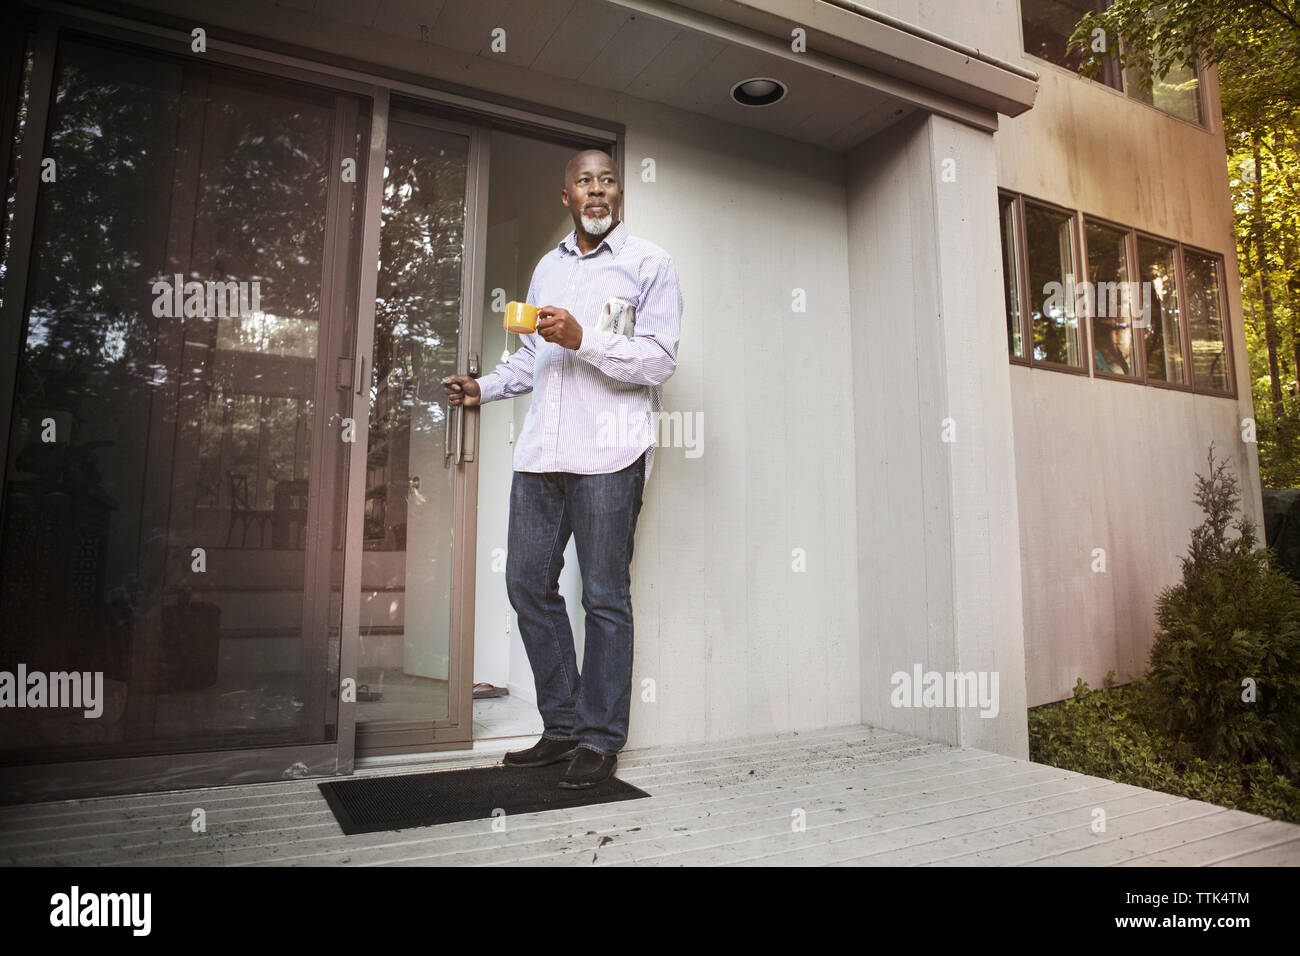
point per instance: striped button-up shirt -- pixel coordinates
(595, 409)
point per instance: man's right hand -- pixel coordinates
(461, 390)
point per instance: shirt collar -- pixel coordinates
(614, 239)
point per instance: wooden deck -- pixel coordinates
(868, 797)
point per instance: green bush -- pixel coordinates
(1114, 734)
(1234, 619)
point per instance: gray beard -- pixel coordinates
(597, 227)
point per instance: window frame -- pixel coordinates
(1184, 340)
(1202, 106)
(1130, 263)
(1225, 318)
(1112, 76)
(1079, 222)
(1026, 301)
(1018, 254)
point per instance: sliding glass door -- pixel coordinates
(208, 431)
(416, 615)
(176, 463)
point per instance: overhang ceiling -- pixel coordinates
(861, 70)
(628, 50)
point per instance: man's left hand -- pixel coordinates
(559, 326)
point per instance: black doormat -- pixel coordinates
(373, 804)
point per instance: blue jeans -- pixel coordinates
(600, 512)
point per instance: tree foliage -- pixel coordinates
(1225, 664)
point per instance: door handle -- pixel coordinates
(455, 451)
(446, 435)
(460, 434)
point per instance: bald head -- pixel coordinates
(593, 159)
(591, 193)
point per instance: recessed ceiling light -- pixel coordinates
(758, 91)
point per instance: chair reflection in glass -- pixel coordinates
(244, 515)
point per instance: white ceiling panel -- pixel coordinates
(580, 38)
(674, 69)
(628, 52)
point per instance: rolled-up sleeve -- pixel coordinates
(649, 357)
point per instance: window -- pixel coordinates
(1011, 276)
(1047, 26)
(1178, 94)
(1163, 333)
(1150, 303)
(1049, 253)
(1110, 300)
(1205, 319)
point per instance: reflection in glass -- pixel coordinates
(1049, 240)
(1047, 25)
(22, 106)
(1205, 322)
(406, 570)
(155, 522)
(1164, 333)
(1112, 311)
(1177, 94)
(1011, 276)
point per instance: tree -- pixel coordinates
(1225, 663)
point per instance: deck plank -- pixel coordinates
(1137, 834)
(1259, 833)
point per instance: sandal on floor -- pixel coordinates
(483, 690)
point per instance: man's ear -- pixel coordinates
(564, 197)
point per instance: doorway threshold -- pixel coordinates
(493, 748)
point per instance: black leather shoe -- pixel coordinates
(588, 768)
(546, 751)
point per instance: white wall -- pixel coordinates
(939, 581)
(734, 641)
(1104, 464)
(737, 642)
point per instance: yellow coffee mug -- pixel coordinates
(520, 317)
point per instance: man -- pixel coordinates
(606, 341)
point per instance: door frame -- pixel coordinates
(456, 730)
